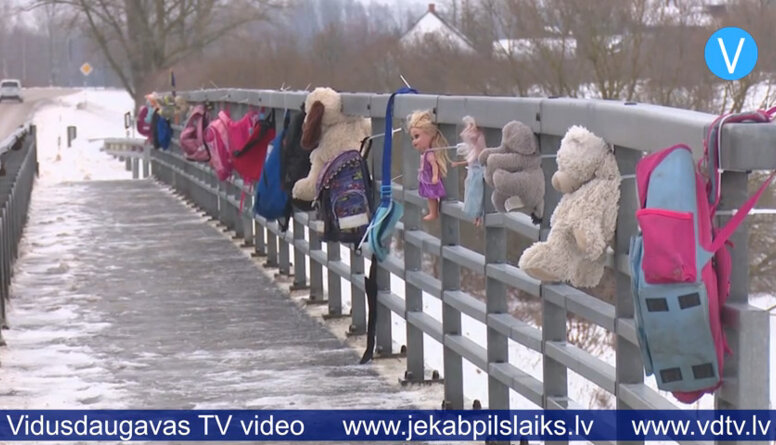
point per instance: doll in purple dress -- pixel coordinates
(429, 141)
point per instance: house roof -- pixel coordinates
(432, 23)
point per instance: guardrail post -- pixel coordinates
(746, 372)
(630, 368)
(496, 303)
(413, 261)
(555, 376)
(357, 296)
(334, 281)
(383, 328)
(247, 220)
(272, 248)
(450, 275)
(260, 247)
(284, 254)
(146, 160)
(316, 269)
(300, 268)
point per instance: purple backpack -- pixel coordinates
(344, 197)
(192, 139)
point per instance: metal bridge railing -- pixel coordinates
(632, 128)
(19, 163)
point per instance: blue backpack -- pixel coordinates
(680, 265)
(163, 133)
(272, 201)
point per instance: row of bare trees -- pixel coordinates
(643, 50)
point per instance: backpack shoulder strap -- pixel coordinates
(727, 231)
(385, 185)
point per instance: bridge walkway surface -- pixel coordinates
(125, 297)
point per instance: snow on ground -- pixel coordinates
(97, 114)
(40, 337)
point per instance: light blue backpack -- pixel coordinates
(680, 265)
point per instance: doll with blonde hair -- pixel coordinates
(473, 143)
(432, 145)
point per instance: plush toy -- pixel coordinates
(331, 131)
(514, 171)
(583, 223)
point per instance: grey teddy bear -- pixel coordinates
(514, 171)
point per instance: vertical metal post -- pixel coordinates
(239, 196)
(284, 255)
(300, 268)
(135, 168)
(555, 376)
(260, 247)
(334, 280)
(146, 163)
(316, 269)
(629, 366)
(496, 295)
(451, 281)
(272, 248)
(746, 371)
(247, 220)
(413, 257)
(383, 328)
(357, 296)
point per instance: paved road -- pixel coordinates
(13, 114)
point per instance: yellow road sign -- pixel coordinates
(86, 69)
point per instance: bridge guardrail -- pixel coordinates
(19, 164)
(632, 128)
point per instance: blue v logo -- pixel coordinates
(731, 53)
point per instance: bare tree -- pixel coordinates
(142, 37)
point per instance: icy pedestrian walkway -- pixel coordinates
(125, 298)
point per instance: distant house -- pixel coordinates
(431, 24)
(526, 48)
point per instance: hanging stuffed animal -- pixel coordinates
(583, 223)
(514, 171)
(329, 132)
(472, 145)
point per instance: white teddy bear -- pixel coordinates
(584, 221)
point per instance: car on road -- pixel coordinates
(11, 89)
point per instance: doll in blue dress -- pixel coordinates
(473, 143)
(432, 145)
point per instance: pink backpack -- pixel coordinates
(681, 267)
(223, 136)
(143, 125)
(192, 139)
(217, 140)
